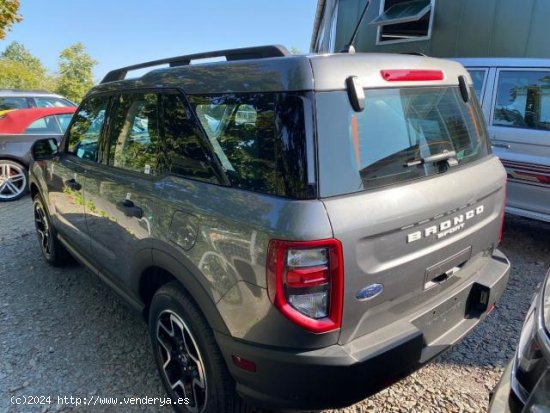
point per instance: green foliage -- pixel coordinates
(19, 69)
(16, 52)
(15, 75)
(8, 15)
(75, 72)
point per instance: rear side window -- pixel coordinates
(47, 124)
(64, 121)
(86, 128)
(14, 103)
(478, 78)
(186, 154)
(388, 142)
(135, 139)
(523, 100)
(259, 140)
(51, 102)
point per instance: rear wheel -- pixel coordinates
(13, 180)
(52, 250)
(190, 363)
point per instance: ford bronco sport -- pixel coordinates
(299, 231)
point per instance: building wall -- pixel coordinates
(461, 28)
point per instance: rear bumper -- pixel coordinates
(340, 375)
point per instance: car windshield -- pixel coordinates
(395, 137)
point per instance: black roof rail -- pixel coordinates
(258, 52)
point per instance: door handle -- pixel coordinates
(73, 184)
(129, 209)
(501, 145)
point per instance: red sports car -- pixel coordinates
(36, 120)
(19, 129)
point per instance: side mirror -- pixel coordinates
(44, 149)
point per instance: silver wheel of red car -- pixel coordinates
(13, 180)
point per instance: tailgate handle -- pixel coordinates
(443, 270)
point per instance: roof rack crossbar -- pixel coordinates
(258, 52)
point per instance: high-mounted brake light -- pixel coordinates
(305, 281)
(412, 75)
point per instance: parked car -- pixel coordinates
(298, 231)
(19, 129)
(525, 384)
(515, 96)
(24, 99)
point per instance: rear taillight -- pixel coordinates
(412, 75)
(305, 281)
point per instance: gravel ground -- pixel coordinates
(63, 333)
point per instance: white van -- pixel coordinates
(515, 97)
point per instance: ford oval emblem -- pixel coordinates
(369, 292)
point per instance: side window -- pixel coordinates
(86, 129)
(135, 138)
(185, 151)
(523, 100)
(51, 102)
(64, 121)
(258, 139)
(14, 103)
(47, 124)
(478, 78)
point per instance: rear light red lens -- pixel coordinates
(306, 281)
(412, 75)
(307, 277)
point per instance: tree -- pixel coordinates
(16, 52)
(8, 16)
(20, 69)
(15, 75)
(75, 72)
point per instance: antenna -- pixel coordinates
(349, 48)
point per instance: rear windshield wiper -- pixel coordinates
(448, 156)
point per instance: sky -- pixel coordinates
(119, 33)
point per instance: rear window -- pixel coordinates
(259, 140)
(391, 140)
(14, 103)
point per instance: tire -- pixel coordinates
(172, 315)
(52, 249)
(13, 180)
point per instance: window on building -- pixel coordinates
(523, 100)
(404, 20)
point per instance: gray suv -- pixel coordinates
(298, 231)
